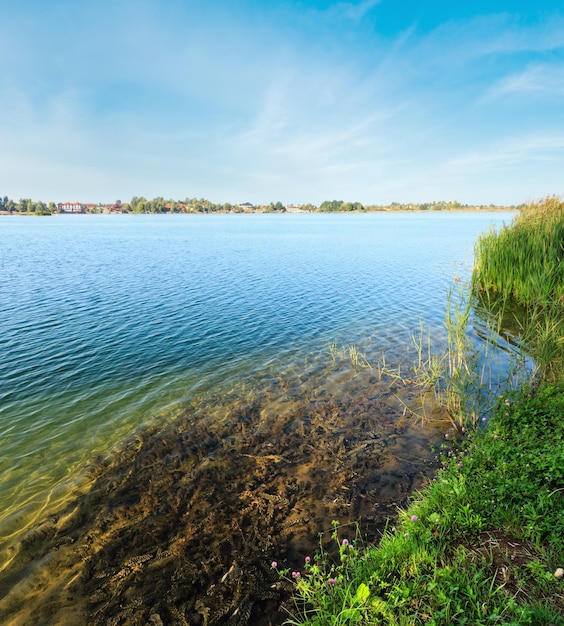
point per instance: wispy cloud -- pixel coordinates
(545, 80)
(353, 10)
(516, 151)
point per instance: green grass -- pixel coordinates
(460, 378)
(526, 259)
(479, 545)
(523, 265)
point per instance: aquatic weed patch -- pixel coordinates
(183, 523)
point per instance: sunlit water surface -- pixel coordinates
(110, 322)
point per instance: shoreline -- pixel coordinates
(407, 211)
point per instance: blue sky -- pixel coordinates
(298, 101)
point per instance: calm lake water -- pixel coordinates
(110, 322)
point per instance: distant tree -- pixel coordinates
(157, 205)
(275, 206)
(308, 207)
(140, 205)
(133, 202)
(10, 205)
(331, 205)
(40, 208)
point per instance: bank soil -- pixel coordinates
(182, 525)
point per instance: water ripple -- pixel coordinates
(109, 321)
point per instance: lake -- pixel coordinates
(114, 323)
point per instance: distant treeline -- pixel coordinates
(26, 205)
(340, 206)
(201, 205)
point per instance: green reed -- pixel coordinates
(524, 264)
(456, 375)
(525, 259)
(542, 333)
(348, 353)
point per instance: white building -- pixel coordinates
(70, 207)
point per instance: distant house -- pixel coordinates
(294, 208)
(114, 208)
(175, 206)
(70, 207)
(246, 206)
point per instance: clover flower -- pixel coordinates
(414, 518)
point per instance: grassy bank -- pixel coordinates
(525, 261)
(484, 542)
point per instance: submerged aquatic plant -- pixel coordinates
(463, 377)
(348, 353)
(455, 375)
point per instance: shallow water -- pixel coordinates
(113, 325)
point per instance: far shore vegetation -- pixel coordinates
(160, 205)
(483, 543)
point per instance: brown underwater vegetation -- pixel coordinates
(181, 525)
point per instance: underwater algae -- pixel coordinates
(181, 525)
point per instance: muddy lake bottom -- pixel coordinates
(181, 524)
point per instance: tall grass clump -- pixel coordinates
(525, 260)
(524, 264)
